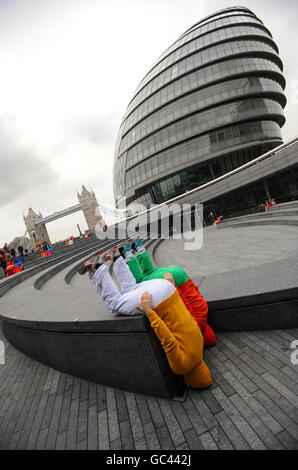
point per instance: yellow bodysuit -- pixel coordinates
(182, 341)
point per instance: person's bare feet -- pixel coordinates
(169, 277)
(113, 252)
(89, 265)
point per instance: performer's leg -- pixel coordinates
(198, 305)
(176, 356)
(127, 252)
(107, 288)
(179, 274)
(135, 269)
(199, 376)
(209, 337)
(145, 263)
(124, 275)
(198, 308)
(185, 300)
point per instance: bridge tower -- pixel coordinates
(88, 202)
(36, 232)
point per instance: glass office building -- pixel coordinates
(212, 102)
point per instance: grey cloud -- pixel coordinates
(20, 167)
(91, 129)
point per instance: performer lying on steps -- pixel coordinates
(177, 331)
(142, 268)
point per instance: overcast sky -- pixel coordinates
(69, 69)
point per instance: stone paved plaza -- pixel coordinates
(252, 404)
(235, 262)
(231, 249)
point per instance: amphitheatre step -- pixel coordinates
(8, 283)
(281, 212)
(37, 258)
(74, 270)
(287, 209)
(259, 221)
(39, 283)
(291, 204)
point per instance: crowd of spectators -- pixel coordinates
(8, 255)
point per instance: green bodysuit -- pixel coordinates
(143, 270)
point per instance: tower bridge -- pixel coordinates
(58, 215)
(36, 223)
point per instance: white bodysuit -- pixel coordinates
(126, 302)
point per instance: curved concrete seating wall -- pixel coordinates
(263, 215)
(268, 311)
(35, 259)
(285, 205)
(48, 275)
(281, 214)
(123, 352)
(292, 221)
(71, 273)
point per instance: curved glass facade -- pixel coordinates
(212, 101)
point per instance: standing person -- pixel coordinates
(3, 263)
(21, 250)
(5, 248)
(13, 252)
(172, 323)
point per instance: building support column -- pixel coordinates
(211, 171)
(267, 190)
